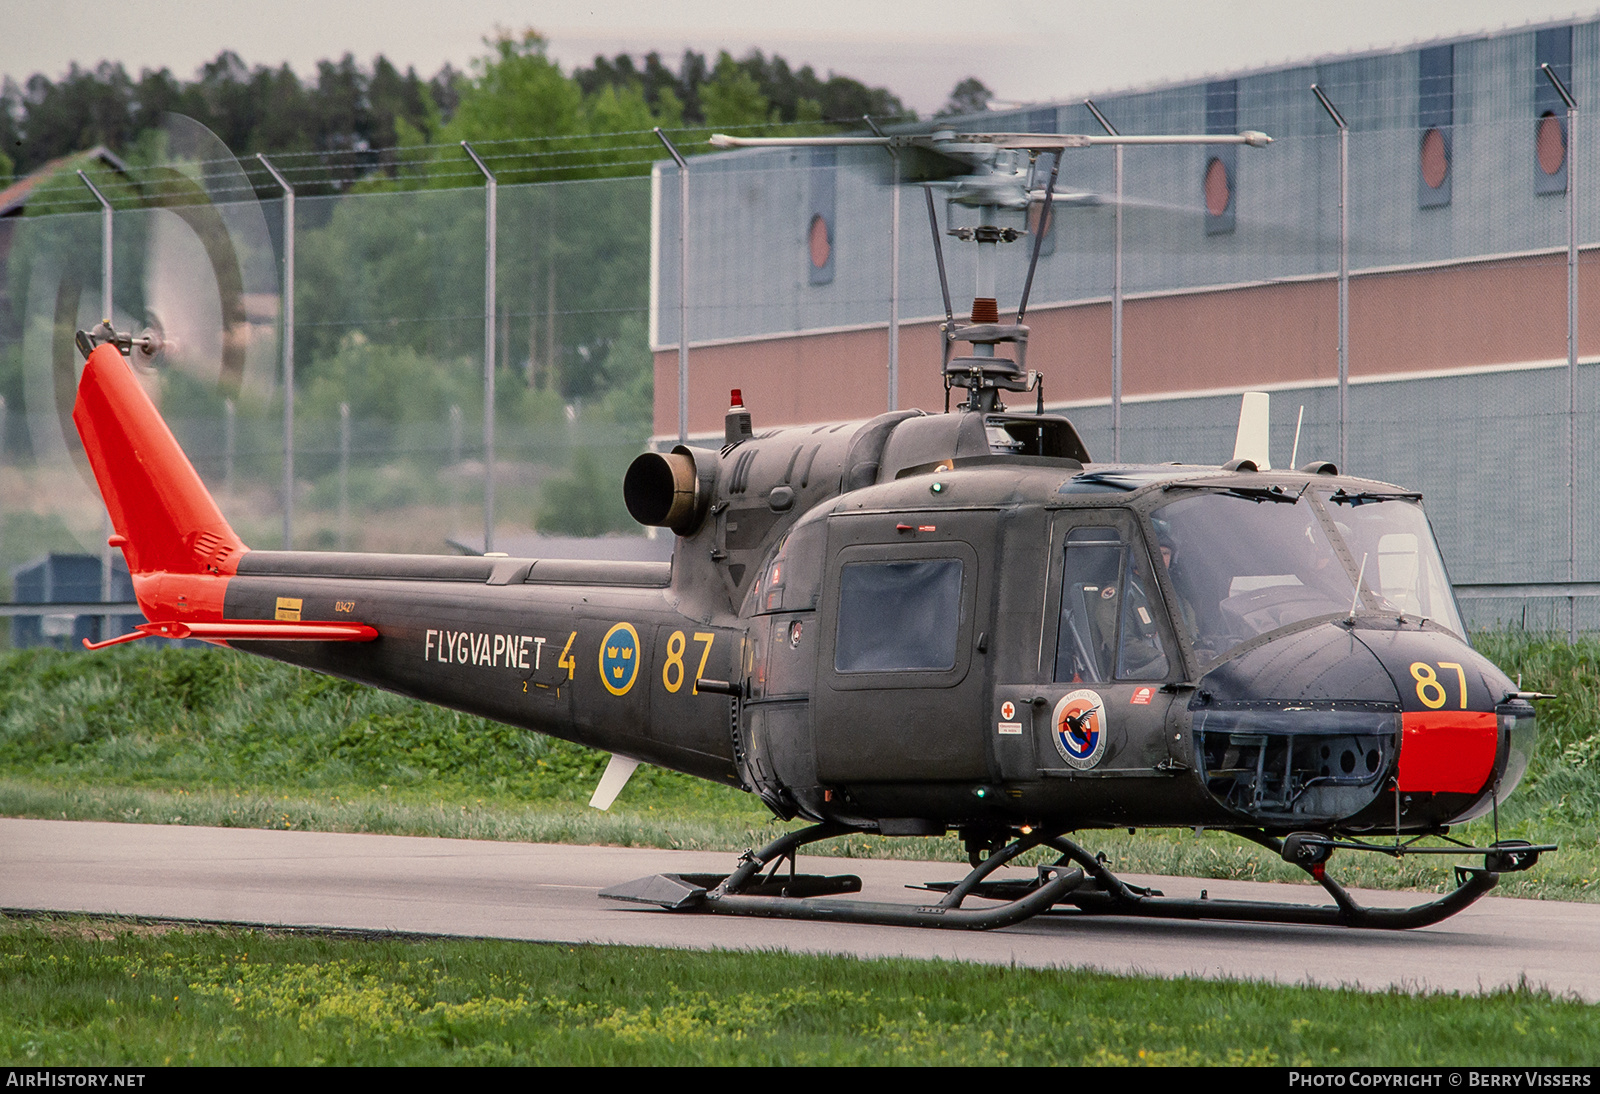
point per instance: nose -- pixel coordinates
(1363, 724)
(1466, 736)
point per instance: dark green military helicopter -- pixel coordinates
(924, 622)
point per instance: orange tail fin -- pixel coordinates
(165, 519)
(181, 551)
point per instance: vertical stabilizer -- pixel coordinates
(165, 519)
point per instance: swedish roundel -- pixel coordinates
(619, 658)
(1080, 728)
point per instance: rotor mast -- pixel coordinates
(992, 183)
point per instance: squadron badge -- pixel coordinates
(1080, 721)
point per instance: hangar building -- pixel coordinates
(1459, 170)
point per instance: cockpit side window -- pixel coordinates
(1141, 655)
(1109, 604)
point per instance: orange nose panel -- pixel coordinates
(1447, 750)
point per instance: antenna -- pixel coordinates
(1360, 574)
(1294, 452)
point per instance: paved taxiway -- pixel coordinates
(548, 892)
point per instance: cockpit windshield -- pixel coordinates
(1244, 563)
(1403, 567)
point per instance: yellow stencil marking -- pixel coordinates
(566, 661)
(705, 654)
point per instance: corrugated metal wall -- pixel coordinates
(1487, 447)
(748, 208)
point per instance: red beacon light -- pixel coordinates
(736, 426)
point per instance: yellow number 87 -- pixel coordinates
(672, 669)
(1430, 691)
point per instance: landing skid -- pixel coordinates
(743, 892)
(1076, 883)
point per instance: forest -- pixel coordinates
(390, 231)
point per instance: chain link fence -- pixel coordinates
(389, 410)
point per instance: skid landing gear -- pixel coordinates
(805, 896)
(1076, 883)
(1106, 894)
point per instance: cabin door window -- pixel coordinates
(899, 616)
(1109, 613)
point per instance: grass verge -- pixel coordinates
(88, 992)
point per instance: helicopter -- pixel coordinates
(923, 622)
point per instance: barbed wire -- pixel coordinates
(343, 170)
(544, 158)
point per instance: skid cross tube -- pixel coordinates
(727, 898)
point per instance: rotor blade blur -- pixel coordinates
(183, 300)
(1170, 227)
(211, 282)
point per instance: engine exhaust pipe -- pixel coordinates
(672, 490)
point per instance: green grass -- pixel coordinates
(88, 992)
(215, 737)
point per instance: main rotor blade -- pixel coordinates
(1049, 142)
(1031, 142)
(722, 140)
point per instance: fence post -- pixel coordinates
(894, 268)
(1572, 344)
(106, 622)
(230, 440)
(1116, 293)
(491, 211)
(1344, 276)
(288, 351)
(344, 472)
(683, 286)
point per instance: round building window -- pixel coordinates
(1435, 161)
(1552, 143)
(821, 245)
(1218, 192)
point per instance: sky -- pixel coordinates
(1029, 52)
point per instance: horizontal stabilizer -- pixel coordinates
(244, 630)
(618, 772)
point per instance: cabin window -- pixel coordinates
(899, 616)
(1109, 607)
